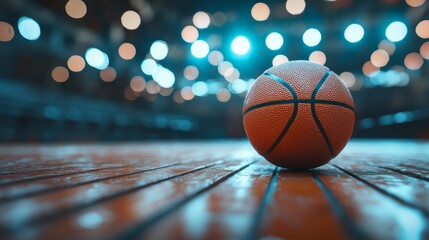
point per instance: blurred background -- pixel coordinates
(109, 70)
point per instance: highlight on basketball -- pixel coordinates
(185, 119)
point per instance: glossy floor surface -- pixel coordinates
(211, 190)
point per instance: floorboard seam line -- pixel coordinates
(406, 173)
(351, 227)
(50, 176)
(5, 200)
(266, 199)
(139, 228)
(62, 213)
(375, 187)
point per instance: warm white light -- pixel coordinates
(76, 8)
(76, 63)
(280, 59)
(130, 20)
(295, 7)
(317, 57)
(6, 32)
(127, 51)
(201, 20)
(190, 34)
(260, 11)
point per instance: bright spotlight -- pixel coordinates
(274, 41)
(96, 58)
(164, 77)
(240, 45)
(238, 86)
(354, 33)
(200, 49)
(396, 31)
(159, 50)
(200, 88)
(311, 37)
(149, 66)
(29, 28)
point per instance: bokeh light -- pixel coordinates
(215, 57)
(354, 33)
(223, 95)
(280, 59)
(6, 32)
(152, 87)
(201, 20)
(379, 58)
(76, 63)
(76, 8)
(28, 28)
(424, 50)
(413, 61)
(191, 72)
(240, 45)
(96, 58)
(60, 74)
(130, 20)
(396, 31)
(189, 34)
(137, 84)
(199, 88)
(187, 93)
(422, 29)
(223, 67)
(311, 37)
(177, 97)
(127, 51)
(129, 94)
(232, 75)
(200, 49)
(295, 7)
(159, 50)
(415, 3)
(274, 41)
(317, 57)
(260, 11)
(164, 77)
(238, 86)
(368, 69)
(108, 74)
(219, 19)
(387, 46)
(348, 78)
(149, 66)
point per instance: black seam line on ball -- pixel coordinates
(313, 112)
(291, 119)
(280, 102)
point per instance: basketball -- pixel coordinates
(298, 115)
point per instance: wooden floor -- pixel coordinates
(211, 190)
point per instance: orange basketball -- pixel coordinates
(298, 115)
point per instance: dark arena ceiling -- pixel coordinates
(193, 62)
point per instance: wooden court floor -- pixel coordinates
(211, 190)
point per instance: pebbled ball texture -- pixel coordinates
(298, 115)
